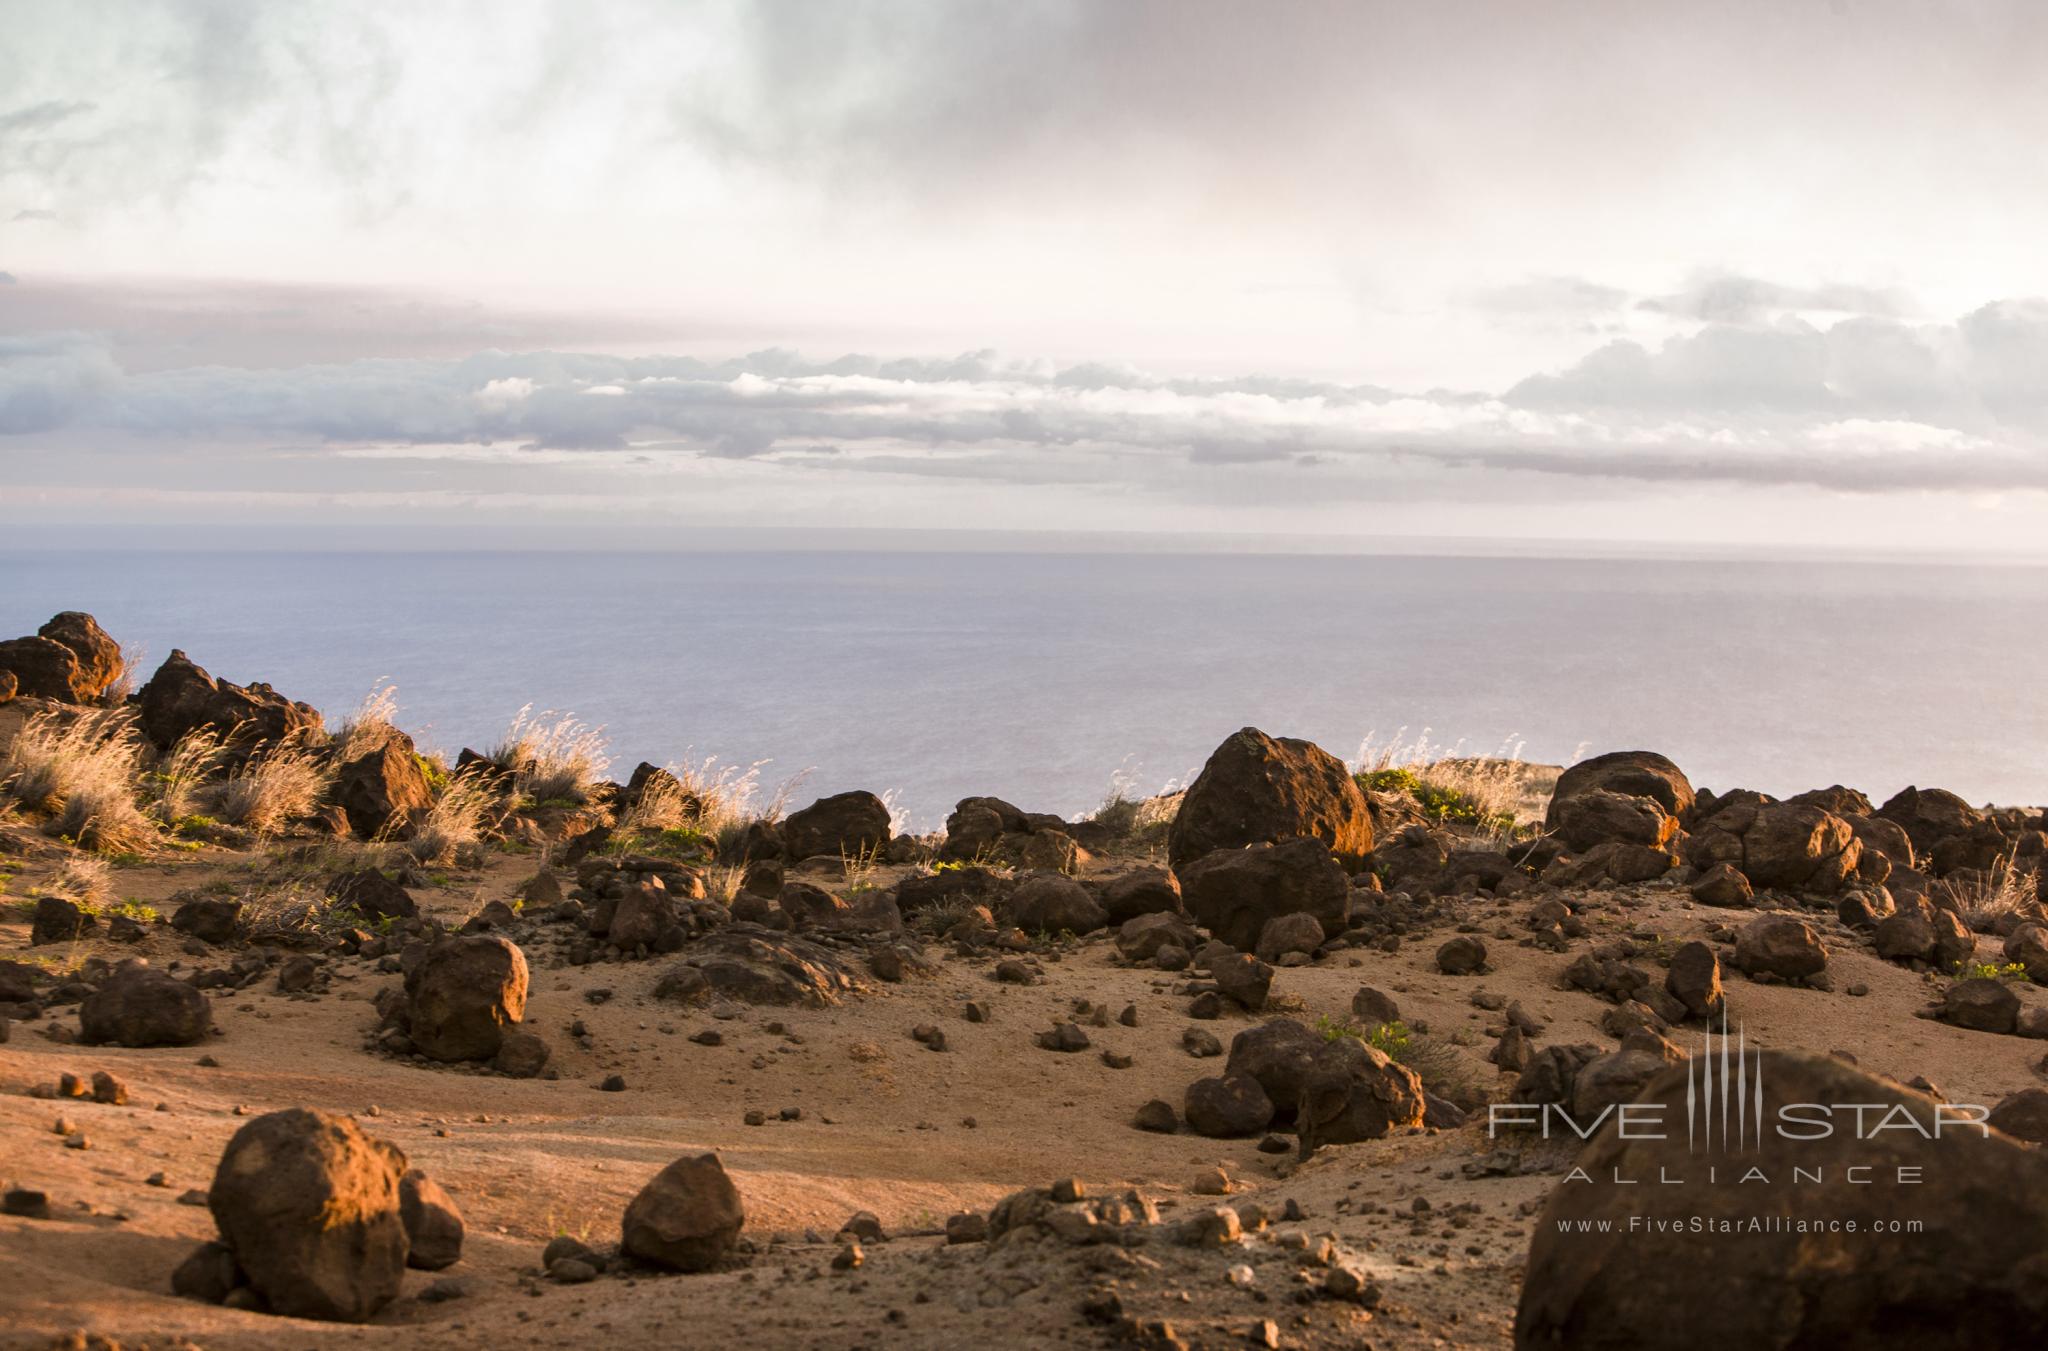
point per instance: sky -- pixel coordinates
(1755, 276)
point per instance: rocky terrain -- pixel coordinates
(312, 1039)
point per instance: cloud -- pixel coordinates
(1728, 298)
(1866, 405)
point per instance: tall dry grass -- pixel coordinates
(456, 821)
(281, 782)
(552, 761)
(365, 729)
(179, 783)
(1984, 897)
(83, 770)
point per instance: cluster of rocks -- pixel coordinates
(70, 660)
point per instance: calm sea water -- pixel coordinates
(1039, 677)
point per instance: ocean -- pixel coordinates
(1044, 678)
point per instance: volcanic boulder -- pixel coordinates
(1614, 1266)
(383, 785)
(96, 656)
(463, 996)
(1233, 892)
(182, 697)
(1929, 816)
(310, 1206)
(843, 825)
(1780, 946)
(1053, 903)
(433, 1226)
(687, 1217)
(1628, 773)
(1259, 789)
(1779, 844)
(141, 1006)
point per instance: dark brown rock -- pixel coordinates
(1629, 773)
(1258, 789)
(141, 1006)
(182, 697)
(845, 824)
(464, 995)
(1233, 892)
(433, 1226)
(310, 1206)
(687, 1217)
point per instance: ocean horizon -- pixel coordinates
(1050, 678)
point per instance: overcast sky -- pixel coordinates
(1761, 274)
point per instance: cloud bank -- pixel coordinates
(1863, 405)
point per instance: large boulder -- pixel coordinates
(1694, 980)
(1612, 1079)
(1616, 1266)
(647, 911)
(1600, 816)
(1227, 1106)
(1279, 1054)
(1779, 844)
(1780, 946)
(845, 824)
(1259, 789)
(97, 655)
(1356, 1092)
(1144, 891)
(1053, 903)
(181, 697)
(141, 1006)
(310, 1206)
(464, 994)
(1929, 816)
(1233, 892)
(383, 785)
(687, 1217)
(1982, 1004)
(1628, 773)
(44, 668)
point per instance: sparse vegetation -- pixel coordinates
(2013, 971)
(559, 760)
(1435, 1061)
(282, 782)
(85, 881)
(1482, 792)
(1983, 897)
(369, 725)
(178, 782)
(455, 822)
(83, 771)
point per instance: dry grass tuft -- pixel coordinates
(1984, 897)
(558, 761)
(82, 769)
(456, 822)
(285, 781)
(663, 804)
(177, 783)
(370, 725)
(83, 880)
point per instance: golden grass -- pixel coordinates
(552, 761)
(369, 725)
(82, 770)
(285, 781)
(456, 821)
